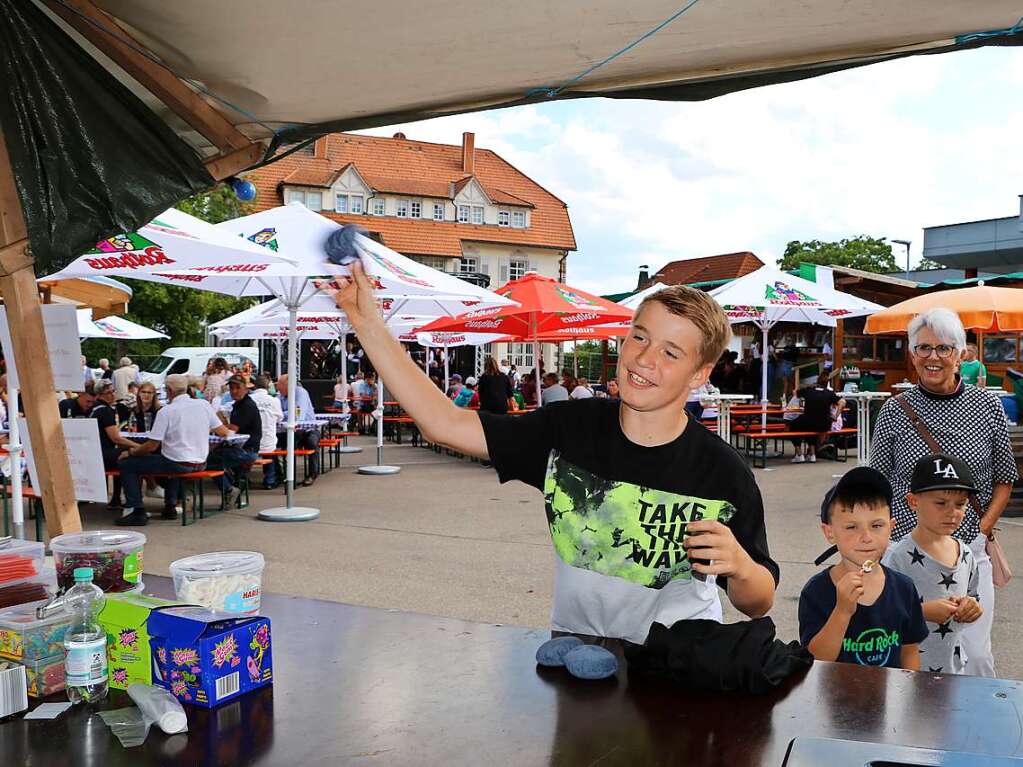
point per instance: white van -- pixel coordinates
(192, 361)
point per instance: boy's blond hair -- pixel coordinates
(700, 309)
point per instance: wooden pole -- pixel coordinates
(25, 318)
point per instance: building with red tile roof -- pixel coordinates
(709, 269)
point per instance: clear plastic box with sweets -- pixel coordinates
(33, 589)
(20, 559)
(24, 638)
(115, 557)
(45, 676)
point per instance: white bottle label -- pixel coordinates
(86, 662)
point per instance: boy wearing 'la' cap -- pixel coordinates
(943, 569)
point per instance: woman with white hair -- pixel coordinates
(967, 422)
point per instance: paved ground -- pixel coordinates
(443, 537)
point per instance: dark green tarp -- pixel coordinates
(89, 158)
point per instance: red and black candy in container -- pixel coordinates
(115, 557)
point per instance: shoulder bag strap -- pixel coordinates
(932, 443)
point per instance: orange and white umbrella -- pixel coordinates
(983, 307)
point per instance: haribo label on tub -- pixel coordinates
(246, 601)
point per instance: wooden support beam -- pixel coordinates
(228, 164)
(25, 318)
(90, 22)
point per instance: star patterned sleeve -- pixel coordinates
(1003, 463)
(915, 629)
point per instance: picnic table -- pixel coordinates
(863, 400)
(361, 685)
(724, 403)
(233, 439)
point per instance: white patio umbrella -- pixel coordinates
(447, 340)
(769, 295)
(302, 234)
(114, 327)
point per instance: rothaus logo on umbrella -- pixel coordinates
(134, 251)
(781, 293)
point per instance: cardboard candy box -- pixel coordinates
(125, 619)
(205, 657)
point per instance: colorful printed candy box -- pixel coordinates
(205, 657)
(124, 617)
(45, 676)
(24, 638)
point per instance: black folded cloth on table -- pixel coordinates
(707, 655)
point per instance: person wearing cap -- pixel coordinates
(965, 421)
(467, 395)
(651, 516)
(244, 418)
(943, 568)
(859, 611)
(454, 386)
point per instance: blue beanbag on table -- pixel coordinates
(591, 662)
(552, 652)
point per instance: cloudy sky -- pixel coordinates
(884, 151)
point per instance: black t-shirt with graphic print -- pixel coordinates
(618, 512)
(876, 633)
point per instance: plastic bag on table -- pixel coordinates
(155, 706)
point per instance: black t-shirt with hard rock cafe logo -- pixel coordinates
(876, 633)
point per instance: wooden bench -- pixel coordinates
(283, 454)
(397, 421)
(756, 443)
(191, 484)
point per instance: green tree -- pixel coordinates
(926, 263)
(183, 313)
(870, 254)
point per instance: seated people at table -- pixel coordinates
(365, 393)
(80, 406)
(613, 469)
(693, 404)
(943, 568)
(270, 416)
(817, 403)
(494, 388)
(306, 438)
(552, 390)
(859, 611)
(178, 443)
(528, 389)
(612, 389)
(111, 443)
(467, 396)
(140, 419)
(971, 369)
(342, 391)
(582, 389)
(244, 418)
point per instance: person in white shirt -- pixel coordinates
(271, 414)
(342, 391)
(179, 443)
(553, 392)
(582, 390)
(125, 374)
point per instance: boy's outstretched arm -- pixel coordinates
(435, 415)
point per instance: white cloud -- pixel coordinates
(883, 150)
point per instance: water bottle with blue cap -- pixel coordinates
(85, 666)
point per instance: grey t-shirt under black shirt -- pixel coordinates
(618, 511)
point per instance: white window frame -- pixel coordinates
(402, 209)
(352, 198)
(295, 195)
(503, 218)
(477, 215)
(517, 268)
(468, 265)
(415, 209)
(521, 356)
(340, 203)
(434, 262)
(463, 214)
(310, 196)
(518, 219)
(379, 206)
(438, 211)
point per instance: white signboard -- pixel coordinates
(61, 325)
(81, 436)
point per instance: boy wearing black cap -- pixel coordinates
(858, 611)
(943, 569)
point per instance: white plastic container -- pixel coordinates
(222, 580)
(115, 557)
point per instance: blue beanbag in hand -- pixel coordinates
(552, 652)
(591, 662)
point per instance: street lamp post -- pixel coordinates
(907, 243)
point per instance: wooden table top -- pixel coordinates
(357, 685)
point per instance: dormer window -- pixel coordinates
(477, 214)
(402, 209)
(379, 206)
(312, 200)
(518, 219)
(415, 209)
(463, 214)
(503, 218)
(438, 211)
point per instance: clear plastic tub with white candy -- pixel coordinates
(222, 580)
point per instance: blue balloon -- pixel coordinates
(243, 190)
(552, 652)
(591, 662)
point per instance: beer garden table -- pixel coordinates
(361, 685)
(724, 402)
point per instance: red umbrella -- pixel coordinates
(545, 306)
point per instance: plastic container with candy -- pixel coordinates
(25, 638)
(20, 559)
(115, 557)
(45, 676)
(38, 587)
(222, 580)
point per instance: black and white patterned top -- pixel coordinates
(969, 423)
